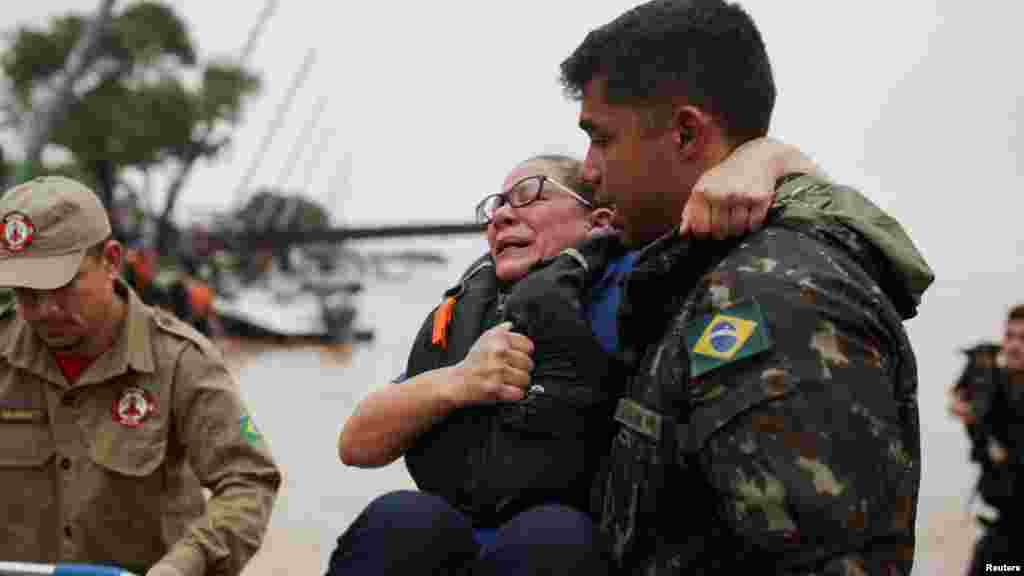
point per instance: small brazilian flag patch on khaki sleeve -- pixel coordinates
(731, 334)
(249, 431)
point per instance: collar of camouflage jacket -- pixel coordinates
(812, 199)
(133, 348)
(873, 237)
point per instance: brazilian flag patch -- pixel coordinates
(248, 429)
(731, 334)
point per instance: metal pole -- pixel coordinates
(257, 30)
(342, 178)
(300, 144)
(241, 192)
(314, 160)
(33, 569)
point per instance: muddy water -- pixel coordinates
(301, 396)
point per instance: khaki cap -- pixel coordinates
(46, 225)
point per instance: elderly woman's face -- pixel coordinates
(521, 237)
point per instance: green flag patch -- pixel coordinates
(249, 431)
(730, 334)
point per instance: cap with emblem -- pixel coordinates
(46, 225)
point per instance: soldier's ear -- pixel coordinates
(689, 130)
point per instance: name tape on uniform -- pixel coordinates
(22, 415)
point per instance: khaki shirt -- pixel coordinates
(111, 469)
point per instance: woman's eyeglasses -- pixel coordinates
(522, 193)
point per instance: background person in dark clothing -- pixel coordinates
(989, 399)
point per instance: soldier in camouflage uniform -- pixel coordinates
(770, 425)
(989, 399)
(113, 415)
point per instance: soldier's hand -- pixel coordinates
(163, 570)
(496, 369)
(960, 408)
(996, 452)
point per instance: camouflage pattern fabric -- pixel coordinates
(810, 198)
(771, 424)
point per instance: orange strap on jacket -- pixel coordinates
(200, 298)
(442, 317)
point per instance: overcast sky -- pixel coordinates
(916, 102)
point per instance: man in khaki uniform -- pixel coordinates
(114, 415)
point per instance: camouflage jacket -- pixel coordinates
(771, 422)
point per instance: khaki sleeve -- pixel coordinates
(231, 458)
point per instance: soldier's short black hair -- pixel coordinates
(708, 51)
(1016, 313)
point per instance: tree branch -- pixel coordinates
(81, 58)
